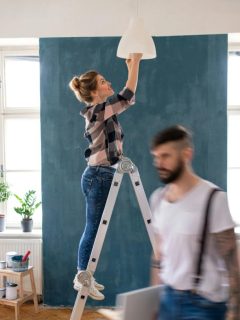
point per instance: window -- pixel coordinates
(20, 127)
(234, 131)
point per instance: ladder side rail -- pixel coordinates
(79, 304)
(144, 206)
(104, 223)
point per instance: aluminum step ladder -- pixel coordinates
(125, 166)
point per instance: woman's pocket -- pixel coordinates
(86, 184)
(107, 176)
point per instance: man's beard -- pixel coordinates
(173, 175)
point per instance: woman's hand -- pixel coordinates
(133, 57)
(136, 56)
(133, 67)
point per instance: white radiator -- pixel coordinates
(21, 246)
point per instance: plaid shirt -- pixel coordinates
(103, 130)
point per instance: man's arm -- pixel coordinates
(155, 264)
(227, 247)
(155, 270)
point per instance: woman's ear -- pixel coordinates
(94, 94)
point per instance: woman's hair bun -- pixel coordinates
(75, 83)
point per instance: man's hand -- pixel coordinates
(231, 316)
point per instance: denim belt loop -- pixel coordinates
(96, 168)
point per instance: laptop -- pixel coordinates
(141, 304)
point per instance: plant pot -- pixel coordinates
(2, 222)
(2, 208)
(27, 225)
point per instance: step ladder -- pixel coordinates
(125, 165)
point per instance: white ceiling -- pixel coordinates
(54, 18)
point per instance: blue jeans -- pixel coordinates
(185, 305)
(96, 182)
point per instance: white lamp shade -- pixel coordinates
(136, 40)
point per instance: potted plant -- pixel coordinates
(4, 195)
(27, 209)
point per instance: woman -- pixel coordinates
(105, 138)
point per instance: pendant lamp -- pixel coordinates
(136, 40)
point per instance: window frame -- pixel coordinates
(5, 113)
(233, 110)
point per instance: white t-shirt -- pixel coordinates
(179, 225)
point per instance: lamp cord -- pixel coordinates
(137, 7)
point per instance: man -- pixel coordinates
(179, 211)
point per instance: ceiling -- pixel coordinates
(74, 18)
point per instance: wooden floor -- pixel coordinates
(45, 313)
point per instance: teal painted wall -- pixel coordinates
(186, 84)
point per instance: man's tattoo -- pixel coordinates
(227, 247)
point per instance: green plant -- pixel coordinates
(28, 204)
(4, 191)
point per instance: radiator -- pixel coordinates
(21, 246)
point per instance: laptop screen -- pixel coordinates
(141, 304)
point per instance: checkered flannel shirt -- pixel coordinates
(103, 131)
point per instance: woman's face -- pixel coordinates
(104, 89)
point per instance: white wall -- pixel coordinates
(54, 18)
